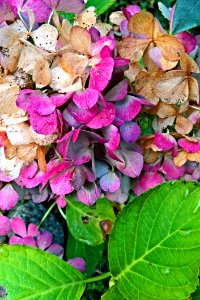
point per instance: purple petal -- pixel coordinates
(188, 41)
(130, 132)
(138, 189)
(104, 118)
(61, 185)
(118, 92)
(82, 115)
(78, 263)
(112, 135)
(95, 34)
(7, 12)
(110, 182)
(189, 146)
(101, 74)
(18, 226)
(56, 249)
(87, 99)
(171, 170)
(149, 180)
(8, 197)
(83, 156)
(22, 100)
(60, 99)
(121, 195)
(101, 43)
(126, 110)
(33, 230)
(40, 8)
(121, 64)
(72, 6)
(39, 197)
(124, 28)
(131, 10)
(44, 240)
(194, 117)
(5, 226)
(88, 194)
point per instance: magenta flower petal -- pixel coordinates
(189, 146)
(164, 141)
(126, 110)
(7, 11)
(28, 241)
(8, 197)
(40, 9)
(88, 194)
(5, 226)
(18, 226)
(61, 185)
(121, 64)
(131, 10)
(171, 170)
(188, 41)
(130, 132)
(22, 100)
(101, 43)
(73, 6)
(82, 156)
(60, 99)
(56, 249)
(44, 240)
(33, 230)
(118, 92)
(78, 263)
(110, 182)
(101, 74)
(29, 171)
(14, 240)
(112, 135)
(82, 115)
(61, 201)
(138, 189)
(41, 104)
(104, 118)
(86, 99)
(44, 124)
(149, 180)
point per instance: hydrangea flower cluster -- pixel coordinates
(73, 99)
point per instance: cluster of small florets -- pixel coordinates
(73, 98)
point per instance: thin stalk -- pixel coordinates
(97, 278)
(47, 213)
(61, 212)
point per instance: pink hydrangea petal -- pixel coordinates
(72, 6)
(7, 12)
(78, 263)
(60, 99)
(196, 174)
(44, 124)
(14, 240)
(171, 170)
(51, 3)
(112, 135)
(33, 230)
(110, 182)
(101, 74)
(130, 132)
(124, 28)
(105, 52)
(126, 110)
(164, 141)
(82, 115)
(86, 99)
(40, 9)
(29, 171)
(28, 241)
(96, 47)
(18, 226)
(194, 117)
(61, 185)
(61, 201)
(8, 197)
(104, 118)
(120, 64)
(5, 226)
(152, 167)
(138, 189)
(40, 196)
(188, 41)
(149, 180)
(56, 249)
(131, 10)
(189, 146)
(118, 92)
(88, 194)
(82, 156)
(95, 34)
(41, 104)
(22, 100)
(44, 240)
(5, 178)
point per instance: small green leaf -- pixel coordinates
(100, 5)
(69, 16)
(87, 223)
(91, 254)
(112, 294)
(182, 20)
(32, 274)
(164, 10)
(154, 248)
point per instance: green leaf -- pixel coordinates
(91, 254)
(112, 294)
(100, 5)
(154, 248)
(182, 20)
(32, 274)
(86, 222)
(69, 16)
(196, 295)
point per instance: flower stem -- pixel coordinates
(47, 213)
(97, 278)
(61, 212)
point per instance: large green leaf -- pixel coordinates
(186, 15)
(87, 223)
(32, 274)
(100, 5)
(196, 295)
(154, 248)
(112, 294)
(91, 254)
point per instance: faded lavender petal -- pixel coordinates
(78, 263)
(44, 240)
(110, 182)
(130, 132)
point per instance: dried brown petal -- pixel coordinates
(132, 48)
(80, 40)
(183, 125)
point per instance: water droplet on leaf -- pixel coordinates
(196, 210)
(185, 232)
(166, 271)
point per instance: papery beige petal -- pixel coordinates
(80, 39)
(74, 63)
(10, 167)
(183, 125)
(188, 64)
(193, 89)
(165, 110)
(132, 72)
(103, 28)
(194, 157)
(86, 18)
(170, 47)
(41, 139)
(160, 124)
(142, 23)
(45, 37)
(117, 17)
(19, 134)
(180, 159)
(60, 79)
(8, 95)
(132, 48)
